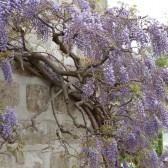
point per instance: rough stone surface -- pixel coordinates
(37, 97)
(20, 159)
(16, 69)
(71, 127)
(4, 161)
(45, 133)
(58, 161)
(9, 94)
(32, 160)
(60, 104)
(37, 165)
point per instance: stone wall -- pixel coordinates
(29, 95)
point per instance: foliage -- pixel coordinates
(162, 62)
(122, 92)
(158, 144)
(16, 151)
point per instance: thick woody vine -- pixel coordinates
(117, 87)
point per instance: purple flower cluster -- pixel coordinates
(31, 8)
(7, 6)
(91, 156)
(42, 30)
(7, 70)
(124, 77)
(3, 33)
(158, 37)
(151, 102)
(160, 92)
(112, 152)
(108, 74)
(100, 146)
(55, 7)
(94, 159)
(165, 76)
(130, 141)
(149, 62)
(142, 141)
(103, 97)
(22, 10)
(138, 34)
(83, 30)
(8, 120)
(121, 132)
(150, 159)
(84, 5)
(163, 116)
(151, 127)
(119, 11)
(88, 88)
(139, 108)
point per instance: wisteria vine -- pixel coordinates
(122, 92)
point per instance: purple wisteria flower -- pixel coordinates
(160, 92)
(10, 116)
(158, 37)
(88, 88)
(7, 70)
(8, 120)
(112, 152)
(109, 74)
(84, 5)
(6, 131)
(150, 159)
(165, 76)
(91, 156)
(151, 127)
(163, 116)
(124, 74)
(31, 8)
(130, 141)
(149, 62)
(94, 159)
(3, 33)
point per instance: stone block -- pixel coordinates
(37, 165)
(37, 97)
(20, 159)
(76, 131)
(32, 160)
(16, 69)
(45, 133)
(4, 161)
(60, 104)
(58, 161)
(9, 94)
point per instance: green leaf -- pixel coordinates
(5, 54)
(136, 88)
(162, 62)
(9, 149)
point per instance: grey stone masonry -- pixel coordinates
(29, 96)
